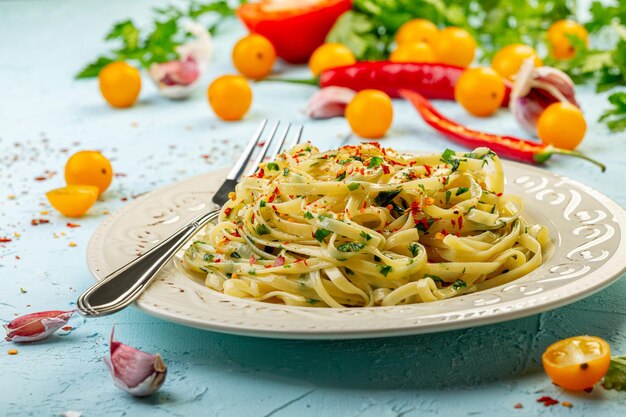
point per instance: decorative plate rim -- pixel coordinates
(525, 305)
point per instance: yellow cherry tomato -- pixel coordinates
(370, 114)
(560, 46)
(577, 363)
(230, 97)
(120, 84)
(330, 55)
(413, 52)
(480, 91)
(508, 60)
(89, 168)
(562, 125)
(454, 46)
(417, 30)
(254, 56)
(73, 200)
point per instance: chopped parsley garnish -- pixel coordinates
(229, 275)
(385, 269)
(262, 203)
(342, 176)
(458, 284)
(262, 229)
(252, 272)
(285, 172)
(353, 186)
(448, 195)
(461, 190)
(447, 157)
(365, 235)
(235, 255)
(350, 247)
(307, 149)
(384, 197)
(375, 161)
(424, 225)
(422, 187)
(208, 257)
(433, 277)
(308, 215)
(344, 161)
(312, 301)
(320, 234)
(414, 248)
(272, 166)
(199, 241)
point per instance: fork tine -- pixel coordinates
(241, 163)
(281, 142)
(261, 156)
(298, 136)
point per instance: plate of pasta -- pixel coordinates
(364, 241)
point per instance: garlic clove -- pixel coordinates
(537, 88)
(178, 79)
(36, 326)
(134, 371)
(329, 102)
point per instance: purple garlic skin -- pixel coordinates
(134, 371)
(36, 326)
(329, 102)
(537, 88)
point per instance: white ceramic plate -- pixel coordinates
(588, 253)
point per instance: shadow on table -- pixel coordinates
(459, 358)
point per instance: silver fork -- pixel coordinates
(123, 286)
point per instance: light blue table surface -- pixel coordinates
(45, 115)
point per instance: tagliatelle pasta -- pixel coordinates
(367, 226)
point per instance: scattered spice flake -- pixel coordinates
(72, 244)
(12, 352)
(547, 401)
(5, 240)
(567, 404)
(105, 212)
(518, 405)
(35, 222)
(227, 211)
(41, 178)
(17, 257)
(17, 234)
(124, 198)
(72, 225)
(119, 174)
(23, 291)
(44, 212)
(11, 197)
(66, 328)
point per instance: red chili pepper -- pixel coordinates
(294, 30)
(505, 146)
(432, 80)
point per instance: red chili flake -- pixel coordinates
(124, 199)
(252, 260)
(460, 220)
(119, 174)
(217, 261)
(547, 401)
(204, 156)
(453, 223)
(276, 191)
(415, 208)
(375, 144)
(424, 223)
(5, 240)
(35, 222)
(236, 234)
(271, 200)
(67, 328)
(499, 194)
(518, 405)
(428, 169)
(386, 169)
(389, 207)
(72, 225)
(364, 205)
(280, 261)
(41, 178)
(17, 257)
(444, 232)
(227, 211)
(252, 218)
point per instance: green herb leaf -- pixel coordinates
(461, 190)
(208, 257)
(375, 162)
(414, 248)
(272, 166)
(458, 284)
(615, 377)
(320, 234)
(262, 229)
(384, 197)
(365, 235)
(312, 301)
(449, 157)
(615, 118)
(350, 247)
(308, 215)
(384, 269)
(433, 277)
(262, 203)
(424, 227)
(285, 172)
(342, 176)
(235, 255)
(448, 195)
(353, 186)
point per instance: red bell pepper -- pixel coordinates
(295, 28)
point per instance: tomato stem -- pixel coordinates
(305, 81)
